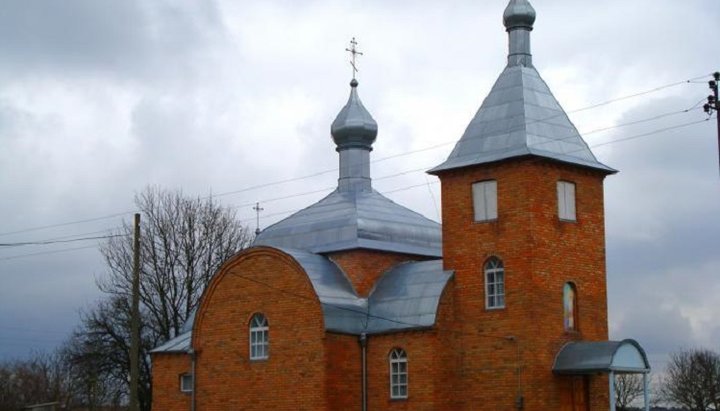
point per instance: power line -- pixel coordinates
(319, 173)
(47, 242)
(13, 257)
(636, 136)
(44, 227)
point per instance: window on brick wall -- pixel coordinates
(485, 200)
(570, 307)
(259, 338)
(398, 374)
(566, 200)
(186, 383)
(494, 283)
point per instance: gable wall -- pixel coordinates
(294, 374)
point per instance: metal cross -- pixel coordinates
(354, 51)
(257, 209)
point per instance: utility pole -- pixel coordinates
(135, 320)
(714, 105)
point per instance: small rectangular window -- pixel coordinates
(186, 383)
(566, 201)
(485, 200)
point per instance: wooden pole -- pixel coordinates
(135, 320)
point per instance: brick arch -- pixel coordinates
(226, 269)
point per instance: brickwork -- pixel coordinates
(294, 376)
(540, 254)
(473, 359)
(167, 369)
(364, 267)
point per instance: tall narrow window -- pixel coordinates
(259, 337)
(570, 307)
(566, 201)
(494, 283)
(485, 200)
(398, 374)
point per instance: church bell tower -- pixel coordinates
(523, 229)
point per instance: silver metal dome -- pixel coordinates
(519, 14)
(354, 127)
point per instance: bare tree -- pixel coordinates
(693, 379)
(41, 378)
(628, 388)
(183, 243)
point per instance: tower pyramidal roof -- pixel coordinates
(520, 116)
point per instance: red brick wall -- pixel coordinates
(167, 369)
(540, 254)
(343, 372)
(364, 267)
(293, 378)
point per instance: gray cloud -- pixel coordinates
(99, 99)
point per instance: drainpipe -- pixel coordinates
(362, 339)
(192, 367)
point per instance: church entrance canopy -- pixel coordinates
(610, 357)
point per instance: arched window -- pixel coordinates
(494, 283)
(570, 307)
(259, 337)
(398, 374)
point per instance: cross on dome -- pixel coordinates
(354, 51)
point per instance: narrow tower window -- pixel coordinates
(485, 200)
(259, 337)
(566, 200)
(398, 374)
(494, 283)
(570, 307)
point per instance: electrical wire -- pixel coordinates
(278, 182)
(47, 242)
(44, 227)
(13, 257)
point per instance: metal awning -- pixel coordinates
(584, 357)
(611, 357)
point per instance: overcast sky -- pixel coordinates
(99, 99)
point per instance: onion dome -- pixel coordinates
(519, 14)
(354, 127)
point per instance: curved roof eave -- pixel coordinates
(587, 357)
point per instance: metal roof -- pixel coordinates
(406, 297)
(179, 344)
(520, 116)
(343, 311)
(584, 357)
(354, 126)
(519, 14)
(355, 219)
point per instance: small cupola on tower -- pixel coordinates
(518, 19)
(354, 131)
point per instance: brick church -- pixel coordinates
(358, 303)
